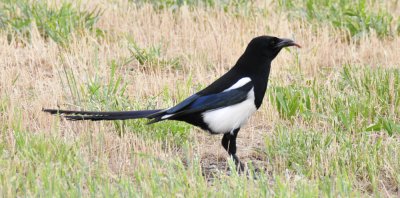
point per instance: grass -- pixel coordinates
(359, 18)
(329, 126)
(21, 17)
(151, 57)
(365, 100)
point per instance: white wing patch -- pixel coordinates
(239, 83)
(166, 116)
(226, 119)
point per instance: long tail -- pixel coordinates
(99, 115)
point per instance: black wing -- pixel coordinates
(199, 104)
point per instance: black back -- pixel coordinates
(254, 63)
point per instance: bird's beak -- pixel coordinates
(286, 43)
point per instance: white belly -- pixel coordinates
(226, 119)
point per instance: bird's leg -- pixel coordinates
(229, 143)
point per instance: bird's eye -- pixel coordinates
(274, 42)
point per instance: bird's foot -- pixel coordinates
(239, 165)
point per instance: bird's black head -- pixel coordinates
(257, 58)
(268, 47)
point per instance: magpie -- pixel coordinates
(223, 107)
